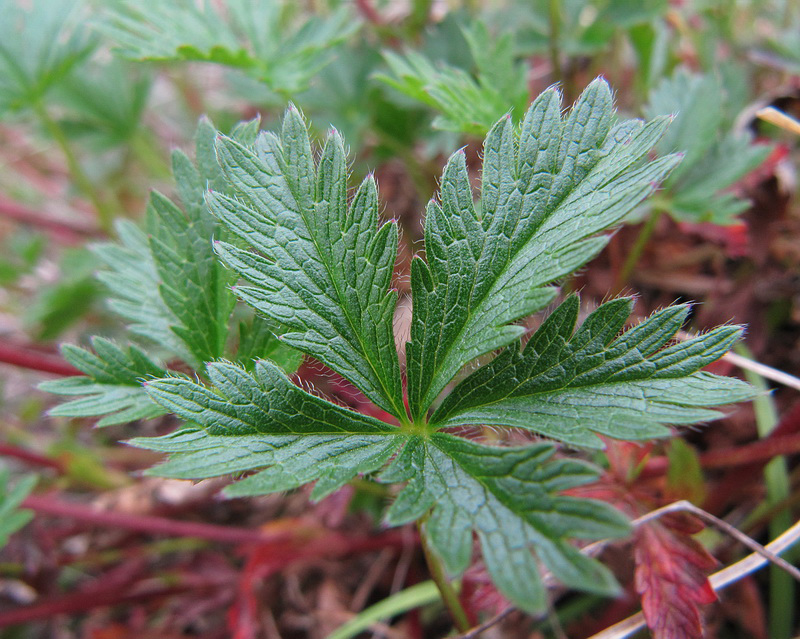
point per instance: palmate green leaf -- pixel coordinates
(104, 101)
(111, 384)
(323, 269)
(57, 306)
(133, 284)
(568, 384)
(547, 191)
(267, 39)
(261, 421)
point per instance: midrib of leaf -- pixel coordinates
(399, 409)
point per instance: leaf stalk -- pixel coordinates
(445, 586)
(105, 216)
(635, 255)
(554, 16)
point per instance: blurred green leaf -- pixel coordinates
(58, 306)
(270, 40)
(39, 46)
(684, 473)
(166, 281)
(11, 517)
(467, 103)
(586, 27)
(21, 250)
(715, 155)
(104, 102)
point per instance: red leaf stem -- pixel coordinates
(264, 560)
(30, 457)
(154, 525)
(760, 451)
(368, 11)
(35, 360)
(98, 597)
(68, 230)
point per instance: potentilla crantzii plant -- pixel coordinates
(321, 269)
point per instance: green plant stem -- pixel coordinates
(418, 20)
(105, 215)
(147, 153)
(554, 16)
(449, 594)
(778, 483)
(638, 248)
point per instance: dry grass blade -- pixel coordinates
(779, 118)
(748, 364)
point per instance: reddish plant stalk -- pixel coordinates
(368, 11)
(30, 457)
(67, 230)
(35, 360)
(272, 557)
(97, 597)
(150, 524)
(757, 452)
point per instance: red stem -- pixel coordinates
(753, 453)
(27, 357)
(759, 451)
(30, 457)
(97, 597)
(153, 525)
(369, 12)
(66, 229)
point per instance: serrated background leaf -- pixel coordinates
(467, 104)
(167, 282)
(105, 102)
(112, 385)
(12, 518)
(716, 156)
(169, 285)
(39, 46)
(263, 38)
